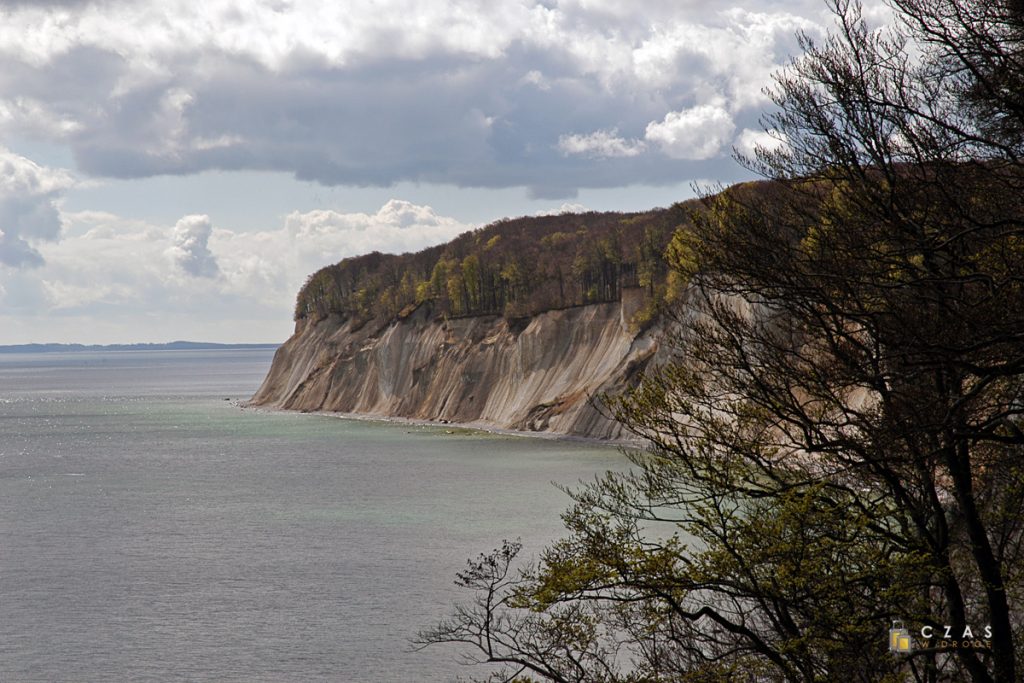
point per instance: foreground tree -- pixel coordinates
(838, 443)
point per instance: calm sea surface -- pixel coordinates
(152, 531)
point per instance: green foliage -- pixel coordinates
(517, 267)
(472, 279)
(424, 292)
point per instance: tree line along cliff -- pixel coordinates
(517, 268)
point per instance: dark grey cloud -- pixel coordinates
(413, 107)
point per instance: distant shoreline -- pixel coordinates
(167, 346)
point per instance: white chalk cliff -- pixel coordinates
(480, 371)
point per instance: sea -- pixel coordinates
(154, 529)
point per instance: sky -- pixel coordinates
(175, 170)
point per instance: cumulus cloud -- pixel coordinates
(601, 143)
(374, 92)
(29, 194)
(193, 277)
(190, 250)
(695, 133)
(749, 141)
(398, 226)
(35, 117)
(565, 208)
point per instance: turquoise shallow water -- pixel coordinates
(151, 530)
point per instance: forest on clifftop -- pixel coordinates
(513, 267)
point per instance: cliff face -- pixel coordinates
(475, 370)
